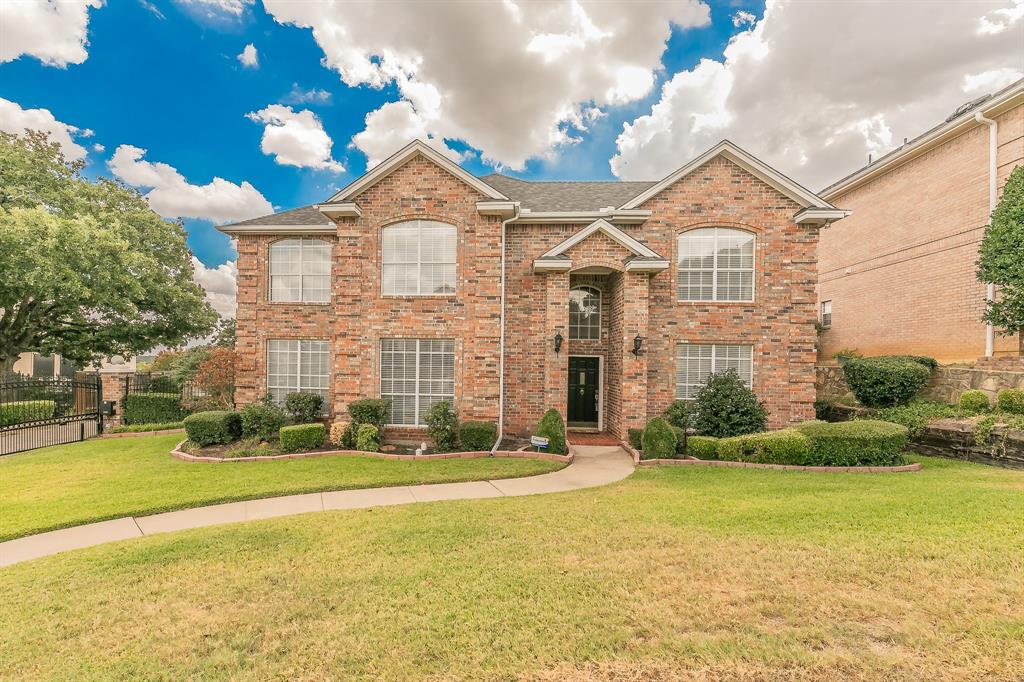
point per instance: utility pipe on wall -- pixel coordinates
(993, 150)
(501, 336)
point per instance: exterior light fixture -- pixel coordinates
(638, 345)
(558, 341)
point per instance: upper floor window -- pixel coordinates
(826, 313)
(418, 259)
(300, 270)
(716, 264)
(584, 313)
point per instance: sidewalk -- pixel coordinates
(592, 466)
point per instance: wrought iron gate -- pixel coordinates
(37, 412)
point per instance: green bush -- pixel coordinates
(302, 437)
(678, 414)
(916, 414)
(477, 436)
(701, 447)
(973, 402)
(726, 407)
(152, 408)
(368, 438)
(857, 443)
(552, 427)
(1010, 400)
(931, 363)
(680, 439)
(304, 408)
(658, 440)
(786, 446)
(26, 410)
(142, 428)
(885, 381)
(212, 428)
(370, 411)
(261, 420)
(442, 426)
(729, 449)
(634, 437)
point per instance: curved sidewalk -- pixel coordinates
(592, 466)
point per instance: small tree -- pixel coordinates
(442, 426)
(1001, 261)
(726, 407)
(216, 376)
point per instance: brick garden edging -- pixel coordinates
(916, 466)
(178, 453)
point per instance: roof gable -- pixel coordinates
(632, 245)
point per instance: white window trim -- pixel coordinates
(714, 359)
(715, 269)
(826, 325)
(600, 302)
(419, 260)
(298, 370)
(302, 291)
(417, 395)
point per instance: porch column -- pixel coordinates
(556, 365)
(635, 294)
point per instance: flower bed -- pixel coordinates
(179, 453)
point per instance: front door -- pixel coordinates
(584, 375)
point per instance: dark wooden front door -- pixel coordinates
(583, 386)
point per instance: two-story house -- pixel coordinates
(420, 282)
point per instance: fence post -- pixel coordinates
(99, 405)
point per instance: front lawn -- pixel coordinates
(673, 574)
(97, 480)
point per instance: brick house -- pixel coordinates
(610, 299)
(899, 275)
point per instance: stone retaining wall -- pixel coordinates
(946, 385)
(956, 441)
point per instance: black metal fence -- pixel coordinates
(36, 412)
(191, 397)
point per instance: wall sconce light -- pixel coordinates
(638, 345)
(558, 341)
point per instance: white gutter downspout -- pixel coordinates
(993, 149)
(501, 337)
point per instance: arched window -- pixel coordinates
(716, 264)
(584, 313)
(418, 259)
(300, 270)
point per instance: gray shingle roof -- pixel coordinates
(565, 196)
(304, 215)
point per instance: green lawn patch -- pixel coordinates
(68, 485)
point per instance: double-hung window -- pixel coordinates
(295, 366)
(415, 374)
(418, 259)
(695, 362)
(300, 270)
(584, 313)
(716, 264)
(826, 313)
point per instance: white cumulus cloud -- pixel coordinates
(55, 33)
(742, 18)
(214, 8)
(220, 283)
(249, 57)
(390, 128)
(814, 103)
(509, 79)
(172, 196)
(14, 119)
(295, 138)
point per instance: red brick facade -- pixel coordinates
(779, 324)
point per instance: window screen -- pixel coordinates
(300, 270)
(415, 374)
(418, 259)
(716, 264)
(695, 362)
(297, 365)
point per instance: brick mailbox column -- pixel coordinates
(115, 383)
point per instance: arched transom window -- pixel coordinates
(584, 313)
(418, 259)
(716, 264)
(300, 270)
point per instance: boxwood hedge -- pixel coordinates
(26, 410)
(477, 436)
(301, 437)
(857, 443)
(152, 408)
(213, 428)
(658, 440)
(701, 447)
(885, 380)
(552, 427)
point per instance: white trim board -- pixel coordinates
(602, 225)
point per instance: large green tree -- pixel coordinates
(87, 269)
(1002, 259)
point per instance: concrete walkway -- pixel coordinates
(592, 466)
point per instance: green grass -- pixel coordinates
(67, 485)
(673, 574)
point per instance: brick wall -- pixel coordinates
(900, 271)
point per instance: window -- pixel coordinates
(826, 313)
(418, 259)
(716, 264)
(695, 362)
(300, 270)
(584, 313)
(294, 366)
(415, 374)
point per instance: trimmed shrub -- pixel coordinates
(26, 410)
(634, 437)
(658, 440)
(786, 446)
(477, 436)
(370, 411)
(931, 363)
(858, 443)
(680, 440)
(552, 427)
(885, 381)
(152, 408)
(974, 402)
(213, 428)
(302, 437)
(701, 447)
(726, 407)
(142, 428)
(442, 426)
(368, 438)
(678, 414)
(304, 408)
(1010, 400)
(261, 420)
(729, 449)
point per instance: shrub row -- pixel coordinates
(858, 443)
(142, 428)
(152, 408)
(213, 428)
(26, 410)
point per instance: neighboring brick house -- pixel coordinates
(899, 275)
(394, 287)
